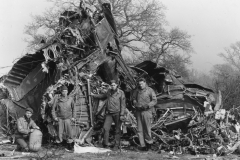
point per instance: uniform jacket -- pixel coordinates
(145, 97)
(23, 126)
(116, 101)
(63, 108)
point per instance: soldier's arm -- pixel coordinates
(33, 125)
(153, 99)
(73, 109)
(100, 96)
(123, 104)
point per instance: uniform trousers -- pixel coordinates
(144, 123)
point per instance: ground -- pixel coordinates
(141, 156)
(54, 153)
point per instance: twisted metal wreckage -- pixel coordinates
(85, 55)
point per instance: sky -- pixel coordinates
(213, 25)
(14, 15)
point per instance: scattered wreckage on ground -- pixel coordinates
(85, 55)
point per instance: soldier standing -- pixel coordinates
(115, 107)
(144, 99)
(63, 111)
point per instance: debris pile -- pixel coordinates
(207, 135)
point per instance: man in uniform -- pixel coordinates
(63, 111)
(144, 99)
(25, 126)
(115, 107)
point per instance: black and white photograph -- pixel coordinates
(120, 79)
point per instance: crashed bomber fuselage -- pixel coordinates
(87, 42)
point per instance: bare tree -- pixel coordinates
(232, 55)
(178, 63)
(168, 43)
(226, 76)
(226, 79)
(200, 78)
(138, 21)
(42, 27)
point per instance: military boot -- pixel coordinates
(142, 149)
(107, 146)
(149, 147)
(70, 147)
(115, 148)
